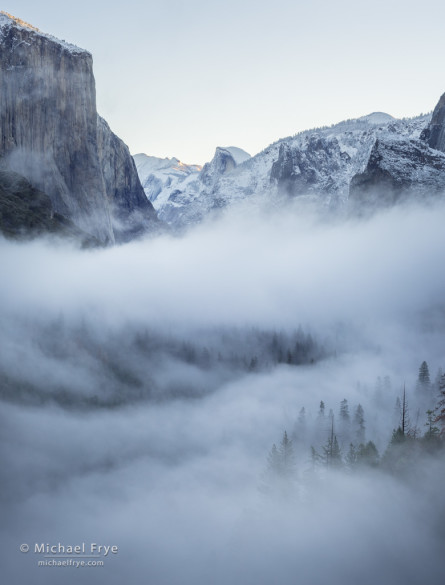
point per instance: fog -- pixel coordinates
(143, 386)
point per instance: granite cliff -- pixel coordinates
(360, 163)
(52, 135)
(434, 134)
(402, 168)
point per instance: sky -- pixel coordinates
(181, 78)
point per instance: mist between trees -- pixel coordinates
(342, 443)
(117, 367)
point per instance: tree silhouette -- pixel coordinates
(423, 381)
(440, 407)
(279, 477)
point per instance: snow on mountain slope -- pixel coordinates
(321, 163)
(239, 155)
(161, 176)
(176, 189)
(315, 164)
(397, 170)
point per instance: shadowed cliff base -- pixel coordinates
(27, 213)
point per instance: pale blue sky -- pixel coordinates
(180, 78)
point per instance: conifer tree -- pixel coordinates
(359, 424)
(437, 380)
(302, 416)
(433, 430)
(300, 428)
(440, 407)
(331, 451)
(423, 380)
(404, 416)
(278, 479)
(345, 422)
(351, 457)
(287, 456)
(344, 411)
(273, 461)
(397, 411)
(368, 455)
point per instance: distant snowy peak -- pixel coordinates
(183, 194)
(146, 165)
(238, 154)
(226, 159)
(163, 175)
(377, 118)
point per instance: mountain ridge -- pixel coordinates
(316, 165)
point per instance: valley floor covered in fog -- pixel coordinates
(144, 386)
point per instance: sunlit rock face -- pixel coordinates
(49, 133)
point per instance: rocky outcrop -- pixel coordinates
(222, 163)
(434, 134)
(397, 170)
(300, 171)
(315, 166)
(50, 134)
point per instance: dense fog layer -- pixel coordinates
(143, 386)
(267, 271)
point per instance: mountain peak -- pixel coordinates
(238, 154)
(377, 118)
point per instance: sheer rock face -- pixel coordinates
(132, 214)
(434, 134)
(49, 132)
(315, 166)
(222, 163)
(397, 170)
(303, 170)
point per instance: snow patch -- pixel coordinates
(8, 20)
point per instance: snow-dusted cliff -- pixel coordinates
(317, 165)
(52, 136)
